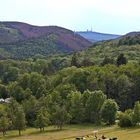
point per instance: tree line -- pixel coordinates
(53, 109)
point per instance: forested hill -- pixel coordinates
(21, 40)
(131, 38)
(128, 44)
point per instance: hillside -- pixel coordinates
(131, 38)
(21, 39)
(128, 44)
(95, 36)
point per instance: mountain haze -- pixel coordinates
(96, 36)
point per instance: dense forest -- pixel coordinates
(58, 91)
(98, 85)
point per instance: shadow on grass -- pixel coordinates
(35, 132)
(46, 131)
(128, 130)
(9, 137)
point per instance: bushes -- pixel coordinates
(125, 119)
(130, 117)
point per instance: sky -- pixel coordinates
(106, 16)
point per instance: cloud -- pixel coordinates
(128, 8)
(75, 14)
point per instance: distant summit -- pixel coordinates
(96, 36)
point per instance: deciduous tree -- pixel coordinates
(108, 111)
(4, 123)
(19, 120)
(42, 119)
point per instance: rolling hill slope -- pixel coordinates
(128, 44)
(21, 39)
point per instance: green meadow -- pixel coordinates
(70, 132)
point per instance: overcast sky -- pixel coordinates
(108, 16)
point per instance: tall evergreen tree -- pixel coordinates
(121, 60)
(74, 60)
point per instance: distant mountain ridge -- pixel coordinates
(96, 36)
(131, 38)
(132, 34)
(45, 40)
(21, 40)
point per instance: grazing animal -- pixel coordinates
(103, 137)
(114, 138)
(77, 138)
(83, 138)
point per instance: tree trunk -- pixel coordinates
(19, 132)
(3, 133)
(60, 126)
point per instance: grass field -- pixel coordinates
(72, 131)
